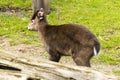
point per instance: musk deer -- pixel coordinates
(65, 40)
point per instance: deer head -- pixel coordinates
(38, 19)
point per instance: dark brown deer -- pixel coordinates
(66, 40)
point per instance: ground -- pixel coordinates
(106, 35)
(27, 50)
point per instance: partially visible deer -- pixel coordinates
(66, 40)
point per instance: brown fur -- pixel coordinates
(66, 40)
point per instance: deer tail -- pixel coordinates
(96, 50)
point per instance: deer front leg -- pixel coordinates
(54, 56)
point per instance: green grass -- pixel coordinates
(117, 72)
(14, 27)
(15, 3)
(102, 17)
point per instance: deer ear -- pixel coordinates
(40, 14)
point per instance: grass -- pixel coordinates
(117, 72)
(15, 3)
(14, 27)
(102, 17)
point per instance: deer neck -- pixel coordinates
(42, 30)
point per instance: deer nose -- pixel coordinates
(30, 26)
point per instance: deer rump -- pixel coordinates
(67, 40)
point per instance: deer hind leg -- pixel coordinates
(82, 58)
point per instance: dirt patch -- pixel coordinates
(21, 49)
